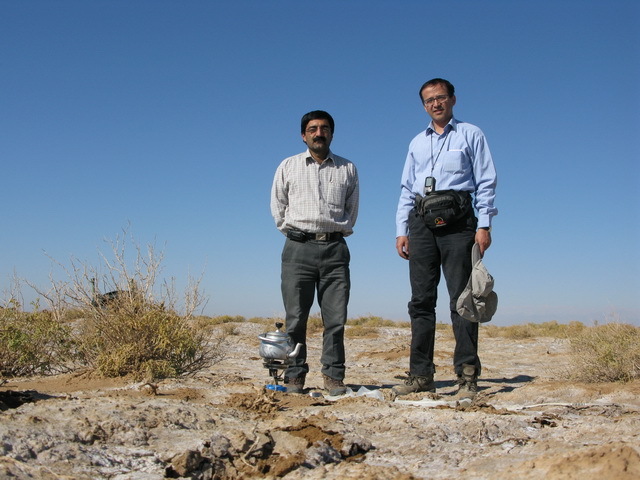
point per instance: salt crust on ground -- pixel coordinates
(528, 421)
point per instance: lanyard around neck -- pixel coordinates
(433, 162)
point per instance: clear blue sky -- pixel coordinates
(172, 117)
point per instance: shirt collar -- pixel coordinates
(452, 125)
(311, 159)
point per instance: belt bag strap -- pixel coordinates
(443, 208)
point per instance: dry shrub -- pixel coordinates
(514, 332)
(443, 330)
(361, 331)
(226, 319)
(209, 323)
(371, 321)
(606, 353)
(551, 329)
(148, 342)
(315, 324)
(441, 326)
(229, 329)
(71, 314)
(33, 343)
(135, 328)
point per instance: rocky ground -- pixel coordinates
(528, 421)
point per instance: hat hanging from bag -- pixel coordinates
(478, 302)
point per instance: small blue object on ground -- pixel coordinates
(277, 388)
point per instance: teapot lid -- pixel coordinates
(278, 334)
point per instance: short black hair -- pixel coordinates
(316, 115)
(438, 81)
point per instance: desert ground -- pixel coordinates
(528, 421)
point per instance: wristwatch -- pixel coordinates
(488, 229)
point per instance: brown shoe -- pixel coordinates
(467, 383)
(294, 384)
(333, 386)
(415, 383)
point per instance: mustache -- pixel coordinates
(320, 139)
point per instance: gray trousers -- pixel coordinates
(307, 268)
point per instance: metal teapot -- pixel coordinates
(278, 345)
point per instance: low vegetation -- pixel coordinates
(551, 329)
(137, 329)
(606, 353)
(33, 343)
(147, 342)
(371, 321)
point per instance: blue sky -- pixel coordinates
(169, 118)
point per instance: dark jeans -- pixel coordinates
(448, 248)
(321, 267)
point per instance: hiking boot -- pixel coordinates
(415, 383)
(467, 383)
(294, 384)
(333, 386)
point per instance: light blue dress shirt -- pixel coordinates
(459, 159)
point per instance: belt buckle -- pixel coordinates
(321, 237)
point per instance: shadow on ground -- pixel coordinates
(13, 399)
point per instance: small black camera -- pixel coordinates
(429, 185)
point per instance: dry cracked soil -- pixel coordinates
(528, 421)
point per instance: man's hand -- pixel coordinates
(483, 239)
(402, 246)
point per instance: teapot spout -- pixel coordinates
(295, 351)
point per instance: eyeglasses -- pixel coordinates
(323, 129)
(439, 98)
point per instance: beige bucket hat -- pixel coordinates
(478, 302)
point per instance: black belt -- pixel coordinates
(300, 236)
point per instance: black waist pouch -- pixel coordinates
(443, 208)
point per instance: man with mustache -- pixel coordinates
(314, 202)
(448, 155)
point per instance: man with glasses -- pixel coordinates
(314, 202)
(450, 155)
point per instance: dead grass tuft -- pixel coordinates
(551, 329)
(371, 321)
(210, 323)
(606, 353)
(315, 324)
(361, 331)
(227, 319)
